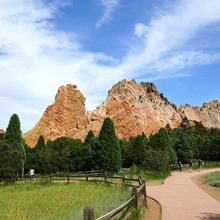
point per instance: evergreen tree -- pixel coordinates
(37, 158)
(13, 137)
(136, 152)
(89, 138)
(8, 158)
(110, 147)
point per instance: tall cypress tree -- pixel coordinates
(13, 137)
(110, 146)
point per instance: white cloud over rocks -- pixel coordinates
(35, 58)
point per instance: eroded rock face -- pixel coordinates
(66, 117)
(134, 108)
(208, 114)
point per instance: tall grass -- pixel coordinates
(58, 201)
(149, 176)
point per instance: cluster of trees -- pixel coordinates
(168, 146)
(106, 152)
(69, 155)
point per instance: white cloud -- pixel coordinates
(35, 58)
(169, 30)
(109, 7)
(141, 30)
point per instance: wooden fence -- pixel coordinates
(138, 190)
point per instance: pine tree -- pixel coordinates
(8, 165)
(111, 152)
(89, 138)
(13, 137)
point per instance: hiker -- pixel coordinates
(199, 164)
(31, 173)
(190, 165)
(180, 166)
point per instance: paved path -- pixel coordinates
(181, 199)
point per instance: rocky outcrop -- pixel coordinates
(208, 114)
(66, 117)
(2, 131)
(134, 108)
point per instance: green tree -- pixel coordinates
(13, 136)
(8, 158)
(89, 138)
(38, 157)
(136, 152)
(109, 147)
(162, 141)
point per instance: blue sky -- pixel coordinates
(96, 43)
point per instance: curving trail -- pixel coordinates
(181, 199)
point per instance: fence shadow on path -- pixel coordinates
(209, 216)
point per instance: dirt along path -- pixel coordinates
(182, 199)
(153, 210)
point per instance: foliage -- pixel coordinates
(13, 137)
(8, 162)
(212, 178)
(109, 147)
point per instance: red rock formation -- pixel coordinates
(208, 114)
(134, 108)
(2, 131)
(66, 117)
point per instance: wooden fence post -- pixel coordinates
(145, 194)
(68, 178)
(88, 214)
(87, 176)
(50, 178)
(134, 193)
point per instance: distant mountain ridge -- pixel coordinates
(134, 108)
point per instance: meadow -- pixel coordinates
(58, 200)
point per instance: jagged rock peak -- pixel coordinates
(213, 103)
(149, 87)
(124, 86)
(64, 117)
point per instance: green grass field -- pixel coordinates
(32, 201)
(151, 177)
(212, 179)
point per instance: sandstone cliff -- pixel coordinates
(2, 131)
(66, 117)
(208, 114)
(134, 108)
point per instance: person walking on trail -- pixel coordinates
(180, 166)
(190, 165)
